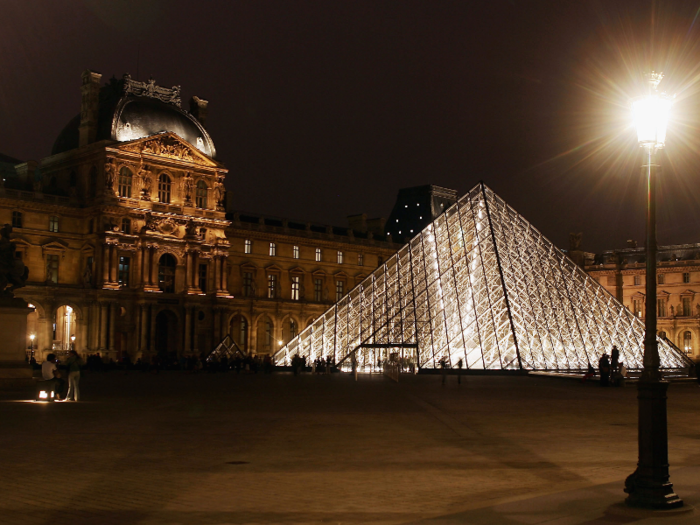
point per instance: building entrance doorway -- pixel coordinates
(166, 330)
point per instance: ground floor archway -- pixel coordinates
(166, 333)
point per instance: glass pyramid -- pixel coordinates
(481, 285)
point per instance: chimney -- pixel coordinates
(90, 93)
(199, 108)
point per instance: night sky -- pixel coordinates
(323, 109)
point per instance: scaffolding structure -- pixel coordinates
(482, 286)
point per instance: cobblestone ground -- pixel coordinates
(224, 448)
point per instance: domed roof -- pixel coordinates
(130, 110)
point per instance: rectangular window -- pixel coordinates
(16, 219)
(340, 257)
(637, 280)
(660, 278)
(360, 259)
(637, 307)
(318, 254)
(248, 246)
(296, 284)
(295, 252)
(271, 286)
(661, 307)
(686, 307)
(338, 290)
(124, 263)
(53, 224)
(52, 269)
(273, 249)
(686, 277)
(247, 284)
(203, 277)
(318, 290)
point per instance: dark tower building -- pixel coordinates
(417, 207)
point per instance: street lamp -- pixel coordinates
(72, 342)
(31, 346)
(650, 486)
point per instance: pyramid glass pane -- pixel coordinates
(482, 286)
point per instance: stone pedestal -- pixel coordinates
(14, 369)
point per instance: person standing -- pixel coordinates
(50, 372)
(459, 373)
(614, 360)
(73, 363)
(604, 367)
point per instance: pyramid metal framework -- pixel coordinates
(482, 285)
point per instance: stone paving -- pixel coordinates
(179, 448)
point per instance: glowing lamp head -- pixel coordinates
(72, 338)
(32, 337)
(651, 114)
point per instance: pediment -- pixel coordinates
(340, 275)
(319, 273)
(273, 268)
(54, 245)
(248, 267)
(168, 145)
(296, 270)
(687, 293)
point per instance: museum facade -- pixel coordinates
(130, 247)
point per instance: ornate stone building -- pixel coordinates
(129, 247)
(622, 273)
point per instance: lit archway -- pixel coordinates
(239, 331)
(265, 335)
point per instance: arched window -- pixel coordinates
(125, 180)
(292, 329)
(164, 184)
(126, 225)
(688, 342)
(201, 196)
(166, 273)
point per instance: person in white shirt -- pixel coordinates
(50, 372)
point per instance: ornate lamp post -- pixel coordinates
(31, 346)
(650, 486)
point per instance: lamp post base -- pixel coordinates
(649, 486)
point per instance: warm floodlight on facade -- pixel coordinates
(651, 114)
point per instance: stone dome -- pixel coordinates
(130, 110)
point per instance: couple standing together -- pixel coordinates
(50, 372)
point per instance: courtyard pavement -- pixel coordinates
(201, 449)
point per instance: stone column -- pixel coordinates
(224, 275)
(195, 272)
(106, 261)
(152, 338)
(217, 273)
(138, 267)
(217, 326)
(144, 329)
(103, 327)
(154, 267)
(112, 327)
(114, 266)
(188, 271)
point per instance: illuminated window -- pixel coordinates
(248, 246)
(688, 342)
(201, 195)
(271, 286)
(686, 306)
(637, 307)
(52, 269)
(53, 224)
(273, 249)
(126, 225)
(293, 330)
(340, 257)
(318, 290)
(318, 254)
(686, 277)
(247, 284)
(295, 252)
(123, 274)
(339, 285)
(16, 219)
(125, 180)
(637, 280)
(360, 259)
(164, 185)
(166, 273)
(296, 284)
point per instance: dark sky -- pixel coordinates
(322, 109)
